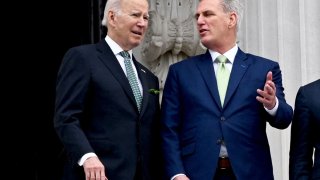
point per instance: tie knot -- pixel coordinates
(125, 54)
(222, 59)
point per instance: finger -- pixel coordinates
(264, 97)
(92, 175)
(103, 176)
(272, 85)
(269, 90)
(87, 174)
(100, 175)
(263, 94)
(269, 76)
(264, 101)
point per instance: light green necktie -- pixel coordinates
(132, 78)
(223, 75)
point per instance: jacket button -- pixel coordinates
(219, 141)
(222, 118)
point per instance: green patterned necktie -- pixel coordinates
(223, 75)
(132, 78)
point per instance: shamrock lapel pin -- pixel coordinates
(154, 91)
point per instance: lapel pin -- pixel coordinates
(143, 70)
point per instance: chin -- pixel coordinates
(205, 42)
(135, 42)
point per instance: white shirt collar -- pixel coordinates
(230, 54)
(115, 47)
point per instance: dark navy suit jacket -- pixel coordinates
(305, 134)
(194, 123)
(96, 112)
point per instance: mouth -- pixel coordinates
(137, 33)
(202, 32)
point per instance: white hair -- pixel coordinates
(234, 6)
(111, 5)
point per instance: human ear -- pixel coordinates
(111, 18)
(232, 19)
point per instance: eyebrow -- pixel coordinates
(138, 12)
(203, 12)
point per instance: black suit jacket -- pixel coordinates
(305, 134)
(96, 112)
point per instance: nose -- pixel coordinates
(142, 22)
(200, 20)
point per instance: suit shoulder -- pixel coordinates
(78, 54)
(79, 51)
(186, 62)
(81, 48)
(261, 59)
(312, 86)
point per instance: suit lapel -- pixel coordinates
(239, 68)
(110, 61)
(205, 66)
(142, 76)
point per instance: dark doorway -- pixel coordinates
(53, 27)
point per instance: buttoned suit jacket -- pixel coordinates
(96, 112)
(194, 122)
(305, 134)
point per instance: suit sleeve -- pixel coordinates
(284, 114)
(301, 149)
(71, 91)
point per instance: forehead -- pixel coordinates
(135, 5)
(206, 5)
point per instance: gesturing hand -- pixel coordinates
(94, 169)
(268, 94)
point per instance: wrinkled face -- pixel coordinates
(130, 24)
(212, 23)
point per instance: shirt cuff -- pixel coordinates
(85, 157)
(177, 176)
(273, 111)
